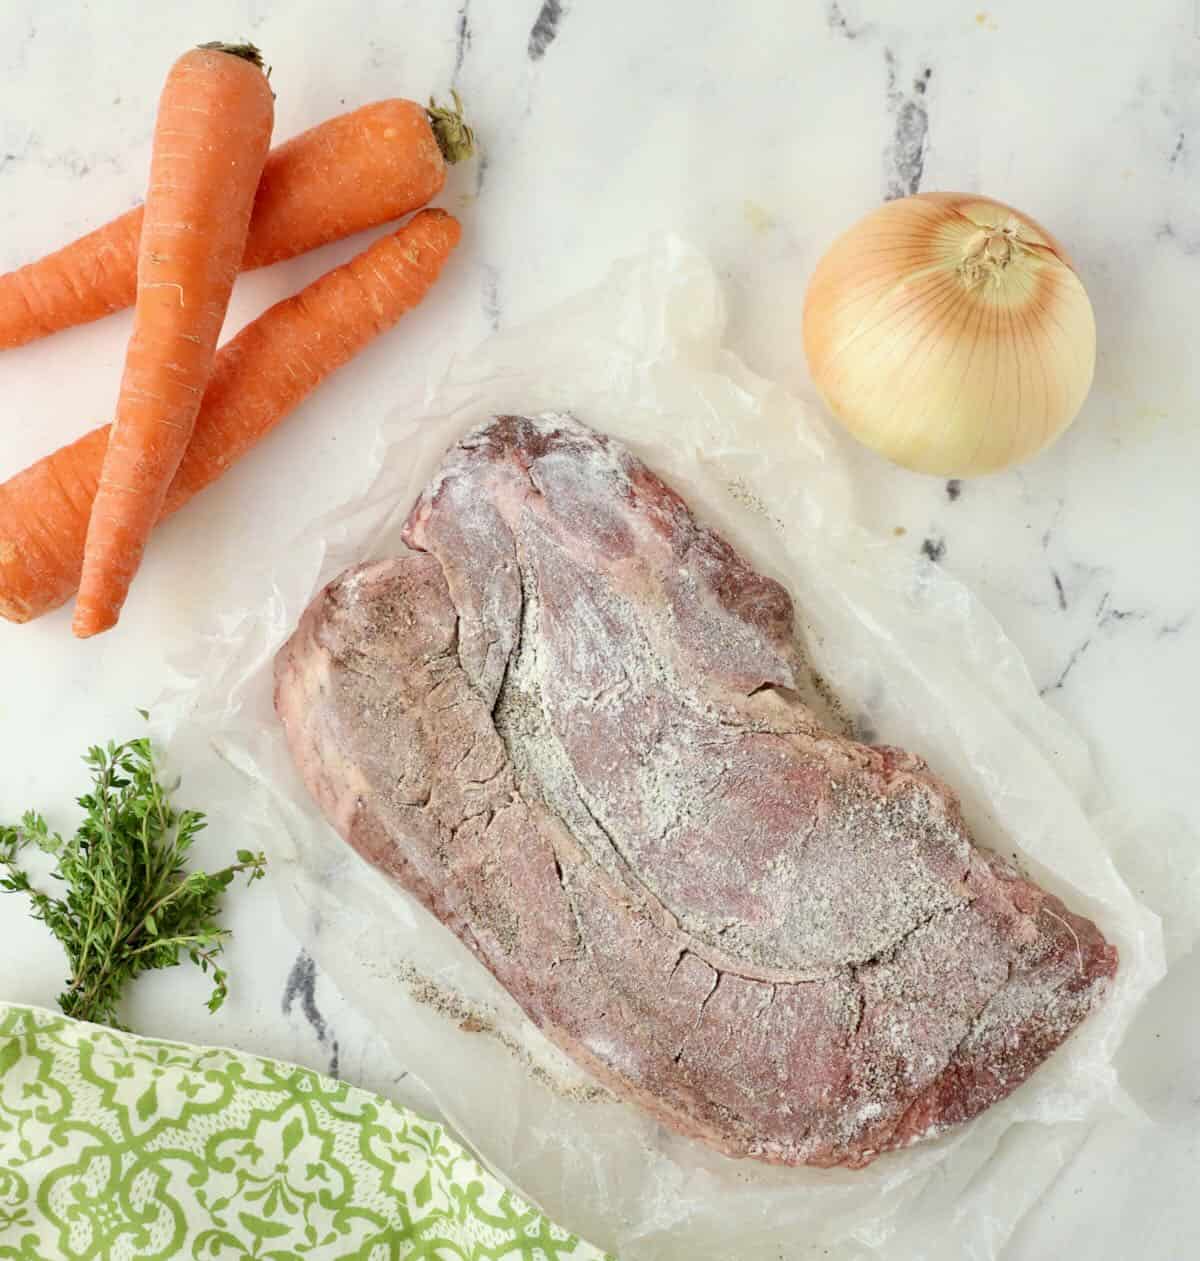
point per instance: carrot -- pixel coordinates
(210, 141)
(260, 375)
(352, 172)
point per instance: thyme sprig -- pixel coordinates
(128, 904)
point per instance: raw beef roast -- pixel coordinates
(568, 719)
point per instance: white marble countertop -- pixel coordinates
(758, 131)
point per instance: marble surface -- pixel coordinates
(757, 130)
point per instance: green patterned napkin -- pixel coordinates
(124, 1148)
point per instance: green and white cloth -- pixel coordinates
(131, 1149)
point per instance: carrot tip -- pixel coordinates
(94, 616)
(86, 631)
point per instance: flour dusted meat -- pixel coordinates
(569, 720)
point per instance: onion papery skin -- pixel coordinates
(951, 333)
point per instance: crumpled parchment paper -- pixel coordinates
(916, 662)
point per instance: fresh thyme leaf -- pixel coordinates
(129, 905)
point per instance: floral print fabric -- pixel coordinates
(129, 1149)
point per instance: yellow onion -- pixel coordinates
(951, 333)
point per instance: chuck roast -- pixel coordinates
(569, 720)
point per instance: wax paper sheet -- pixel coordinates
(915, 660)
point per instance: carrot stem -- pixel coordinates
(455, 139)
(247, 52)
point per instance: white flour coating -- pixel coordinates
(683, 763)
(795, 939)
(839, 913)
(666, 797)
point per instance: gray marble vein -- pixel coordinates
(72, 161)
(933, 548)
(1182, 239)
(16, 54)
(481, 169)
(904, 158)
(1177, 151)
(1108, 619)
(1059, 592)
(545, 28)
(840, 24)
(300, 989)
(491, 296)
(462, 38)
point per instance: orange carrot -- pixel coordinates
(352, 172)
(210, 142)
(260, 375)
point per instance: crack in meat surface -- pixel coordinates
(569, 719)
